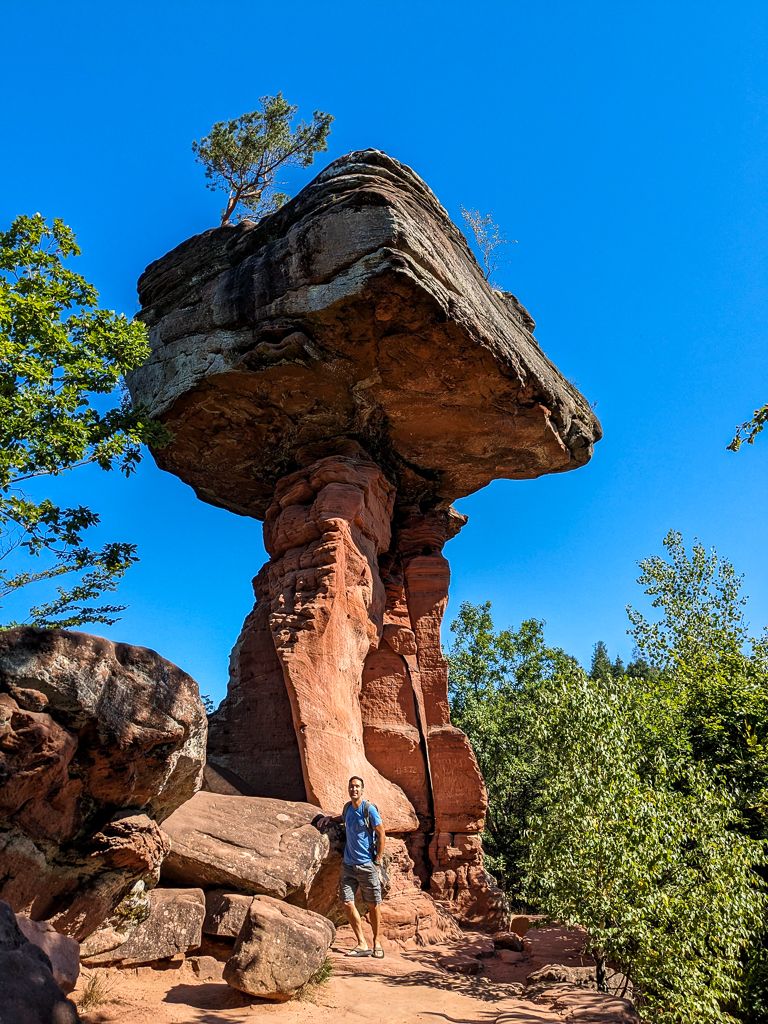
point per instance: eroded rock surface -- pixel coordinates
(63, 952)
(173, 926)
(356, 311)
(98, 743)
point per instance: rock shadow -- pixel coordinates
(209, 996)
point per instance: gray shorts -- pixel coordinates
(366, 876)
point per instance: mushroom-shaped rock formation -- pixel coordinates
(343, 371)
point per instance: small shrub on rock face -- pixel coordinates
(242, 157)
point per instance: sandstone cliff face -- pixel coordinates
(98, 743)
(343, 371)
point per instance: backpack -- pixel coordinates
(382, 868)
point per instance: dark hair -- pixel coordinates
(359, 779)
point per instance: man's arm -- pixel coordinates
(381, 842)
(329, 819)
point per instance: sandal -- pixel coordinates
(357, 951)
(378, 953)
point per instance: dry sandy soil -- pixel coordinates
(407, 987)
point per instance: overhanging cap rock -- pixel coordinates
(355, 315)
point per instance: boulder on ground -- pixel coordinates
(278, 950)
(174, 925)
(29, 993)
(252, 845)
(100, 742)
(61, 950)
(510, 940)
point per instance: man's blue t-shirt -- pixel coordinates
(359, 848)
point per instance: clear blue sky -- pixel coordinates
(623, 144)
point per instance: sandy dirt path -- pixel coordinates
(407, 987)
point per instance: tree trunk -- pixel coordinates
(600, 972)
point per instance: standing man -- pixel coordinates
(363, 851)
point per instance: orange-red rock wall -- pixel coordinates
(339, 671)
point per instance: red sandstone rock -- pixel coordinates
(323, 602)
(248, 844)
(580, 1006)
(460, 963)
(278, 950)
(28, 992)
(343, 370)
(225, 913)
(356, 311)
(98, 742)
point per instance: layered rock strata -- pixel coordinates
(99, 742)
(343, 371)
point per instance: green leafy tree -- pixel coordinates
(709, 667)
(58, 353)
(642, 848)
(643, 813)
(715, 675)
(601, 667)
(493, 682)
(242, 157)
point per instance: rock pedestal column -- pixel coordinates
(339, 671)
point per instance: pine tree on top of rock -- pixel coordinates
(242, 157)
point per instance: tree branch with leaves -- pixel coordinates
(749, 430)
(58, 351)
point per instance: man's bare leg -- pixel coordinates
(375, 916)
(357, 925)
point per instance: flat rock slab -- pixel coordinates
(279, 949)
(174, 925)
(580, 1006)
(253, 845)
(356, 311)
(460, 963)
